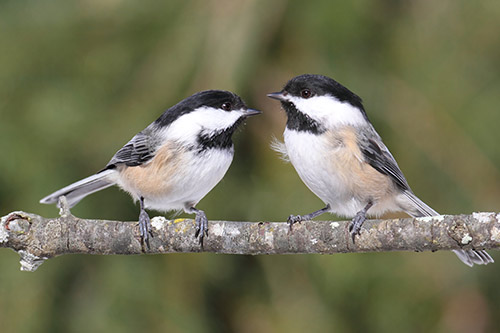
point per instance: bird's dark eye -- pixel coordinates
(226, 106)
(306, 93)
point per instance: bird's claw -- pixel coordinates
(355, 225)
(201, 227)
(292, 219)
(145, 227)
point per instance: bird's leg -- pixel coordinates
(201, 224)
(292, 219)
(357, 221)
(144, 224)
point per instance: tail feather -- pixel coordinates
(79, 190)
(468, 257)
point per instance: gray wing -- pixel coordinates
(137, 151)
(379, 157)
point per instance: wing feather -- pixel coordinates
(379, 157)
(139, 150)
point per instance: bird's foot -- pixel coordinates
(201, 226)
(356, 223)
(292, 219)
(145, 227)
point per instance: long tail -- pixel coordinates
(468, 257)
(79, 190)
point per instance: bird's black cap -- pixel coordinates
(208, 98)
(321, 85)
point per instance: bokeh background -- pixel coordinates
(79, 78)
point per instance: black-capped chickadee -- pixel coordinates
(341, 158)
(175, 161)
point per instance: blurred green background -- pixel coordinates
(79, 78)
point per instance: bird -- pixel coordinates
(174, 162)
(341, 158)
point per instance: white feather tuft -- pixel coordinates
(280, 147)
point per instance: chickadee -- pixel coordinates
(175, 161)
(341, 158)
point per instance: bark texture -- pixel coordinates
(37, 238)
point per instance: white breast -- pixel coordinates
(199, 176)
(311, 155)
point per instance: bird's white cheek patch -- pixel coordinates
(187, 127)
(329, 111)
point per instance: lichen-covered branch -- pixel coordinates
(37, 238)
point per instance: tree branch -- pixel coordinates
(37, 238)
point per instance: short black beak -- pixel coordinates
(277, 95)
(251, 112)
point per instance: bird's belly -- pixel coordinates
(174, 182)
(310, 157)
(336, 173)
